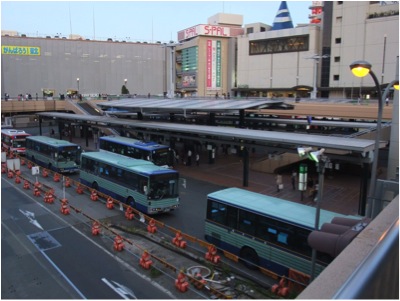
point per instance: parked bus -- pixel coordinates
(265, 231)
(58, 155)
(138, 183)
(157, 153)
(14, 140)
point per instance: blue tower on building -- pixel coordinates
(282, 18)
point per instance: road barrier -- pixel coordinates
(146, 261)
(110, 203)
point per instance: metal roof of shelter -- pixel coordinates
(262, 137)
(188, 104)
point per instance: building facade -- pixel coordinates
(223, 56)
(54, 66)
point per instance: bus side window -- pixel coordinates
(247, 222)
(282, 238)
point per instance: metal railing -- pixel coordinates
(377, 277)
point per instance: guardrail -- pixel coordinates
(368, 268)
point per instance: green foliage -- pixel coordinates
(124, 90)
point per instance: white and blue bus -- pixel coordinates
(58, 155)
(138, 183)
(151, 151)
(265, 231)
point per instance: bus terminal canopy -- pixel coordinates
(283, 140)
(187, 105)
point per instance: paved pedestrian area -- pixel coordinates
(340, 191)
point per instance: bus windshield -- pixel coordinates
(163, 186)
(19, 143)
(68, 154)
(160, 157)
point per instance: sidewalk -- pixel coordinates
(340, 191)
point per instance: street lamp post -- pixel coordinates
(316, 59)
(77, 82)
(125, 80)
(361, 69)
(321, 161)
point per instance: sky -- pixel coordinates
(149, 21)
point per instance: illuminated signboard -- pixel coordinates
(204, 30)
(20, 50)
(213, 72)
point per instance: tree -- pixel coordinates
(124, 90)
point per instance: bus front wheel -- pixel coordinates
(95, 186)
(131, 202)
(250, 258)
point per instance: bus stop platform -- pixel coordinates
(341, 188)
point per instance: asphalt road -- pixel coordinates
(45, 257)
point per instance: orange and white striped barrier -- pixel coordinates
(181, 282)
(151, 227)
(22, 161)
(118, 243)
(45, 173)
(56, 177)
(211, 255)
(67, 182)
(64, 207)
(110, 203)
(3, 168)
(145, 261)
(36, 191)
(93, 196)
(26, 184)
(281, 289)
(29, 165)
(17, 180)
(10, 174)
(178, 240)
(95, 228)
(199, 282)
(49, 197)
(79, 189)
(129, 213)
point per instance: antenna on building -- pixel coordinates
(282, 18)
(70, 22)
(94, 26)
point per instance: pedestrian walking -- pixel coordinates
(387, 101)
(310, 186)
(279, 184)
(315, 192)
(293, 179)
(197, 159)
(189, 157)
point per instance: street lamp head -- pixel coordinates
(77, 79)
(360, 68)
(315, 156)
(302, 151)
(396, 85)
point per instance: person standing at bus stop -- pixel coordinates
(279, 184)
(293, 179)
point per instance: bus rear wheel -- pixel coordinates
(131, 202)
(250, 258)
